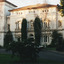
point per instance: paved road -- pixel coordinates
(3, 51)
(45, 55)
(51, 55)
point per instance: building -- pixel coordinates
(48, 13)
(4, 7)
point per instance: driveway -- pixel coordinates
(50, 55)
(3, 51)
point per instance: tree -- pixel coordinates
(24, 30)
(8, 38)
(61, 7)
(56, 39)
(26, 50)
(37, 30)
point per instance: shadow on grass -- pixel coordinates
(7, 59)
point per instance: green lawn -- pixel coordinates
(52, 48)
(6, 59)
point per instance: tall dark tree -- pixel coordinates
(61, 7)
(8, 38)
(24, 30)
(37, 30)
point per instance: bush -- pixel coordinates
(61, 46)
(8, 38)
(26, 51)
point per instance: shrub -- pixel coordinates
(27, 51)
(8, 38)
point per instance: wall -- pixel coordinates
(45, 14)
(4, 7)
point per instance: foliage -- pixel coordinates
(57, 39)
(27, 51)
(37, 30)
(8, 38)
(60, 47)
(62, 2)
(24, 30)
(61, 7)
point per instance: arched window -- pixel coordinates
(59, 23)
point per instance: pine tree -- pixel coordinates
(8, 38)
(24, 30)
(37, 30)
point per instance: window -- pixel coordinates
(43, 11)
(34, 11)
(31, 23)
(45, 38)
(19, 12)
(48, 23)
(45, 24)
(59, 23)
(48, 38)
(18, 25)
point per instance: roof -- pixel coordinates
(8, 2)
(11, 3)
(34, 7)
(2, 0)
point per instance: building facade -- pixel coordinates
(4, 7)
(51, 20)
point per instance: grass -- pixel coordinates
(51, 48)
(6, 59)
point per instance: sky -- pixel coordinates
(21, 3)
